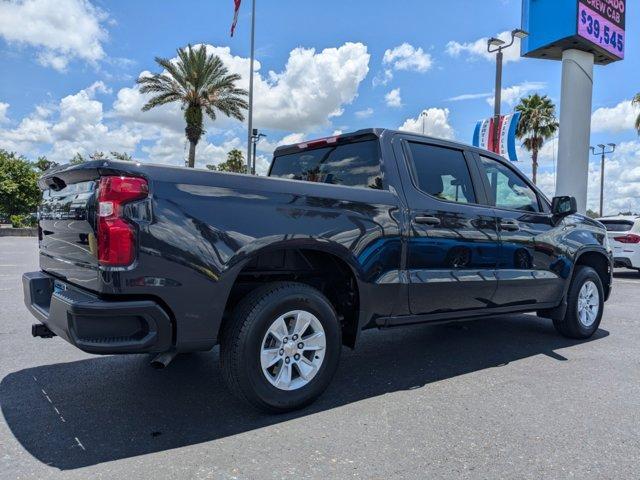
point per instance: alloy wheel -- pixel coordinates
(292, 350)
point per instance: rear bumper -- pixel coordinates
(95, 325)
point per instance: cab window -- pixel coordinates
(509, 189)
(351, 164)
(442, 173)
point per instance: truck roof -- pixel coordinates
(363, 134)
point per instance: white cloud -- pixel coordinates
(78, 124)
(170, 148)
(616, 119)
(3, 112)
(436, 123)
(267, 146)
(512, 95)
(60, 31)
(128, 107)
(75, 124)
(622, 180)
(469, 96)
(383, 77)
(312, 88)
(622, 177)
(478, 49)
(408, 57)
(366, 113)
(393, 98)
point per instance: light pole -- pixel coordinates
(255, 138)
(496, 45)
(424, 116)
(602, 152)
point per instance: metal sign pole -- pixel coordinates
(498, 101)
(575, 125)
(250, 113)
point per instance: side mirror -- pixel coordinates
(563, 206)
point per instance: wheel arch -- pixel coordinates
(600, 261)
(331, 265)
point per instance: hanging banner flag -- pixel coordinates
(235, 15)
(483, 135)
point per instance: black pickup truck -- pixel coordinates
(376, 228)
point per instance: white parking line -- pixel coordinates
(635, 282)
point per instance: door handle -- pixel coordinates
(433, 221)
(509, 226)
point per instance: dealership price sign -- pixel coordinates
(594, 26)
(602, 22)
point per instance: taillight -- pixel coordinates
(629, 238)
(116, 236)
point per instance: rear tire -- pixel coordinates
(270, 326)
(585, 305)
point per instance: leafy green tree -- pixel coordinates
(636, 103)
(125, 157)
(234, 163)
(98, 155)
(538, 123)
(19, 192)
(200, 83)
(43, 164)
(77, 159)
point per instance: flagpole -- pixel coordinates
(250, 114)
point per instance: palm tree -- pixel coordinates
(636, 103)
(199, 81)
(537, 123)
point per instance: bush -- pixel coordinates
(23, 221)
(19, 192)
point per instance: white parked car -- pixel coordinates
(624, 237)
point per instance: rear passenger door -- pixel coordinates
(530, 267)
(452, 243)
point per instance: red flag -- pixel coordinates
(235, 15)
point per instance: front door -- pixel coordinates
(452, 245)
(530, 267)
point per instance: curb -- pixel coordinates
(18, 232)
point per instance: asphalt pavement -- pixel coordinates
(503, 397)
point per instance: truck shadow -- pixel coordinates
(77, 414)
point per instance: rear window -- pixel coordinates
(617, 225)
(351, 164)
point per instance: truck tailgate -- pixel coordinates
(68, 247)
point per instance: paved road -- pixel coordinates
(493, 398)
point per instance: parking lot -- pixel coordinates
(502, 397)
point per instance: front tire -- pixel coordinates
(585, 305)
(281, 347)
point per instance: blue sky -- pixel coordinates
(69, 70)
